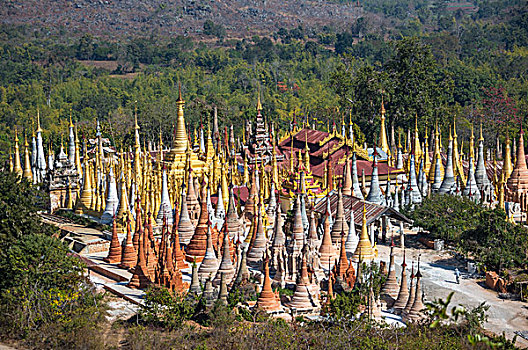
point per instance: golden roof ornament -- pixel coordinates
(38, 121)
(259, 104)
(383, 142)
(71, 123)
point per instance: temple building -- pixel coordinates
(260, 145)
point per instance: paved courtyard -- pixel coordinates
(439, 280)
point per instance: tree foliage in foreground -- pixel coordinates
(19, 203)
(46, 299)
(442, 329)
(481, 231)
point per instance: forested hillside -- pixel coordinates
(432, 61)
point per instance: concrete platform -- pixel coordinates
(117, 278)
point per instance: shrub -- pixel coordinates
(45, 298)
(474, 229)
(446, 216)
(165, 309)
(344, 307)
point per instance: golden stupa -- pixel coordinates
(181, 156)
(364, 251)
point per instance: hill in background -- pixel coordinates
(240, 18)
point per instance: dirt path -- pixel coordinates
(439, 280)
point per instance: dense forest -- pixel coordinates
(430, 62)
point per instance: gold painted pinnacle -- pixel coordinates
(38, 121)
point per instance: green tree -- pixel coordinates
(412, 68)
(165, 309)
(46, 298)
(85, 48)
(497, 243)
(19, 203)
(447, 217)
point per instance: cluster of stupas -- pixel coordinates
(189, 205)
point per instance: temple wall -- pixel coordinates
(58, 198)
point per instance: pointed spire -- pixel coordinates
(226, 268)
(219, 210)
(28, 174)
(403, 294)
(279, 239)
(327, 251)
(426, 160)
(257, 249)
(223, 294)
(17, 168)
(84, 202)
(128, 256)
(356, 187)
(139, 226)
(348, 183)
(352, 238)
(410, 300)
(181, 142)
(437, 175)
(448, 183)
(39, 129)
(364, 250)
(340, 224)
(178, 256)
(297, 230)
(140, 279)
(198, 244)
(457, 157)
(437, 160)
(112, 200)
(302, 298)
(416, 310)
(416, 149)
(507, 167)
(272, 205)
(374, 194)
(165, 208)
(114, 253)
(412, 192)
(390, 288)
(259, 105)
(185, 226)
(209, 264)
(123, 210)
(471, 189)
(517, 183)
(192, 201)
(195, 287)
(481, 175)
(383, 143)
(423, 185)
(267, 299)
(388, 190)
(399, 154)
(312, 240)
(342, 265)
(243, 272)
(232, 221)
